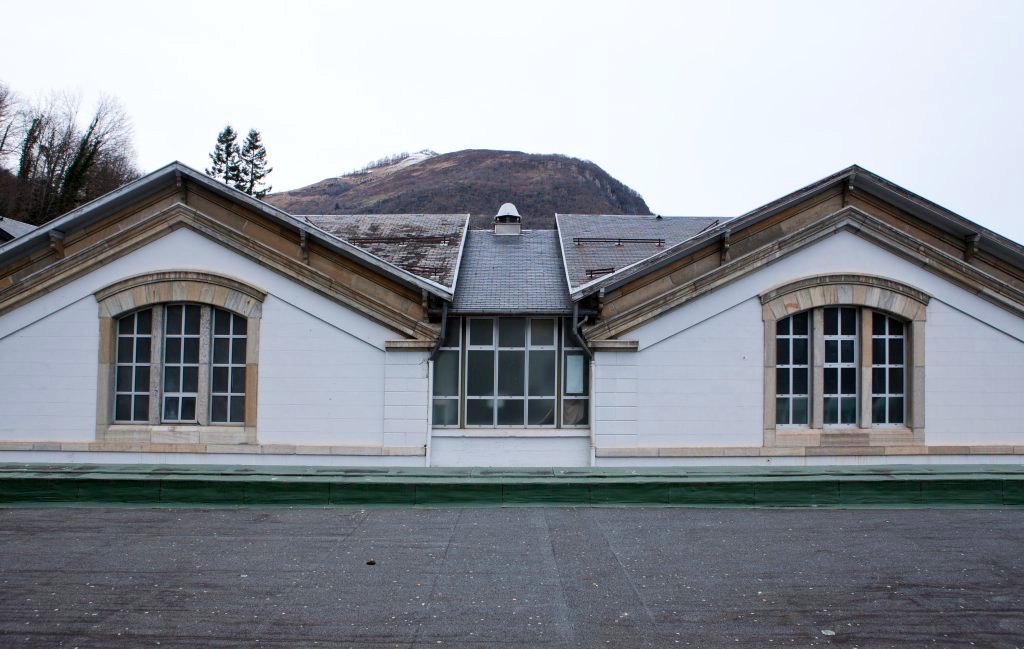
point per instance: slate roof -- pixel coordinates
(512, 274)
(427, 245)
(11, 229)
(624, 240)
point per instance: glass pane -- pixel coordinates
(188, 408)
(831, 380)
(831, 410)
(831, 322)
(800, 380)
(849, 317)
(877, 324)
(574, 374)
(446, 373)
(238, 380)
(782, 351)
(512, 332)
(452, 331)
(172, 319)
(191, 350)
(189, 379)
(510, 412)
(782, 326)
(241, 325)
(511, 373)
(123, 407)
(800, 411)
(124, 350)
(479, 412)
(896, 351)
(849, 380)
(831, 351)
(895, 327)
(800, 351)
(800, 322)
(172, 350)
(480, 373)
(848, 409)
(782, 380)
(125, 325)
(237, 410)
(446, 412)
(878, 380)
(141, 408)
(142, 379)
(220, 350)
(219, 409)
(221, 322)
(575, 412)
(123, 383)
(878, 410)
(541, 412)
(170, 408)
(481, 331)
(220, 379)
(846, 352)
(142, 349)
(782, 411)
(896, 380)
(144, 325)
(192, 319)
(878, 351)
(238, 351)
(172, 379)
(542, 332)
(542, 373)
(896, 410)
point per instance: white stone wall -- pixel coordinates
(698, 374)
(48, 371)
(974, 380)
(509, 451)
(325, 378)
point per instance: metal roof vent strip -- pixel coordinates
(507, 221)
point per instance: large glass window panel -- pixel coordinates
(446, 373)
(840, 366)
(446, 412)
(480, 372)
(575, 412)
(131, 374)
(511, 373)
(479, 412)
(510, 412)
(511, 332)
(792, 368)
(481, 331)
(542, 333)
(228, 384)
(888, 370)
(542, 373)
(575, 372)
(541, 412)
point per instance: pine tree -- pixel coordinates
(253, 167)
(226, 163)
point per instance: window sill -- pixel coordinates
(838, 436)
(176, 434)
(510, 432)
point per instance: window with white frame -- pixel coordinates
(196, 353)
(847, 376)
(509, 372)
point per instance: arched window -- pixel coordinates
(177, 352)
(844, 362)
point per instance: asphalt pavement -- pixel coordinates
(511, 577)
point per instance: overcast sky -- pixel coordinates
(705, 108)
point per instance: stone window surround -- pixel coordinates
(152, 289)
(869, 293)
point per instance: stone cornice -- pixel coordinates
(848, 219)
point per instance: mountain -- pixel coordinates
(477, 181)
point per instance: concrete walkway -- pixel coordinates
(896, 485)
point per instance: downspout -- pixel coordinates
(577, 325)
(430, 378)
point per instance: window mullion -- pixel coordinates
(817, 361)
(205, 336)
(864, 401)
(156, 372)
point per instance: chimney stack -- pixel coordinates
(508, 221)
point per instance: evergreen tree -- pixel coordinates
(253, 167)
(225, 161)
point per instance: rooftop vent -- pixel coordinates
(507, 220)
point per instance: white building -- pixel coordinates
(177, 320)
